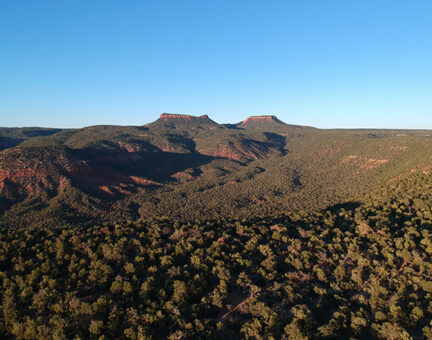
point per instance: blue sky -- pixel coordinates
(322, 63)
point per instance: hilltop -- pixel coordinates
(264, 121)
(171, 120)
(171, 117)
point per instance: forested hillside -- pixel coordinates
(189, 229)
(188, 167)
(355, 270)
(10, 137)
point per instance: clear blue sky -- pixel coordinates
(322, 63)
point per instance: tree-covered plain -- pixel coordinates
(354, 270)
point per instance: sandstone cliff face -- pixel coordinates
(187, 118)
(185, 121)
(265, 118)
(24, 174)
(261, 122)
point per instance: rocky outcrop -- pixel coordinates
(264, 118)
(173, 120)
(261, 121)
(187, 118)
(26, 174)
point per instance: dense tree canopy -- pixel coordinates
(361, 271)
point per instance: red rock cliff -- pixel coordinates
(188, 118)
(264, 118)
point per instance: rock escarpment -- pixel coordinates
(261, 122)
(184, 121)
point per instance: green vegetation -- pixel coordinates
(10, 137)
(198, 169)
(359, 270)
(187, 229)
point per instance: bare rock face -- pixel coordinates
(187, 118)
(172, 119)
(264, 118)
(44, 173)
(261, 121)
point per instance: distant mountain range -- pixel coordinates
(191, 167)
